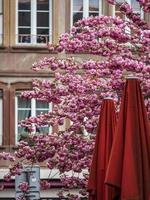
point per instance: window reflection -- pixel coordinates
(24, 4)
(42, 19)
(24, 19)
(24, 35)
(42, 35)
(84, 9)
(93, 14)
(42, 5)
(135, 5)
(78, 5)
(93, 5)
(77, 16)
(1, 5)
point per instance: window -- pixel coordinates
(1, 21)
(134, 4)
(34, 21)
(85, 8)
(26, 108)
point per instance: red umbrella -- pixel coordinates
(96, 187)
(129, 164)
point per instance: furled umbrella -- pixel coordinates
(129, 164)
(104, 137)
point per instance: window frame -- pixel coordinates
(33, 25)
(33, 108)
(85, 10)
(4, 95)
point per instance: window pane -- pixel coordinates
(24, 30)
(77, 16)
(42, 19)
(22, 114)
(43, 130)
(1, 9)
(24, 103)
(77, 5)
(40, 104)
(42, 35)
(24, 19)
(22, 133)
(135, 5)
(93, 14)
(24, 4)
(93, 5)
(117, 7)
(42, 4)
(42, 31)
(42, 39)
(24, 35)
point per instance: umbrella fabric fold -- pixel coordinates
(106, 127)
(129, 164)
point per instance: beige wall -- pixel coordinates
(147, 18)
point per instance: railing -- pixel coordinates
(32, 39)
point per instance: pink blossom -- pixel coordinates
(24, 187)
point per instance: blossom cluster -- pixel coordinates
(24, 187)
(60, 151)
(7, 156)
(77, 96)
(64, 152)
(44, 184)
(78, 89)
(14, 170)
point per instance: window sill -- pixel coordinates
(14, 147)
(24, 49)
(2, 47)
(2, 147)
(37, 46)
(30, 48)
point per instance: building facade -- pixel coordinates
(26, 26)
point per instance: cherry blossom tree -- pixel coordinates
(119, 48)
